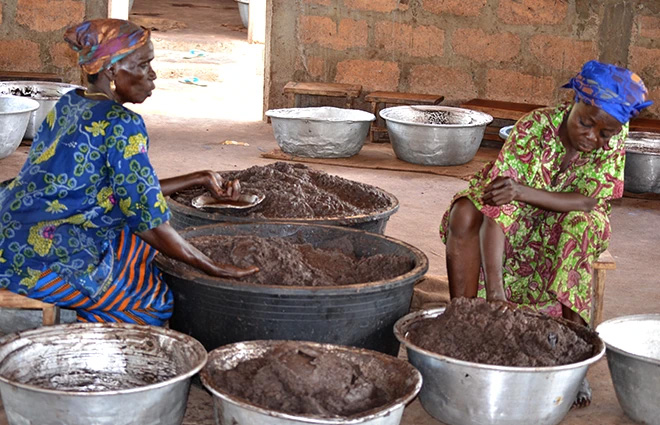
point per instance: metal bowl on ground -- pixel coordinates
(81, 374)
(435, 135)
(458, 392)
(219, 311)
(184, 216)
(642, 171)
(244, 11)
(633, 356)
(321, 132)
(44, 92)
(387, 371)
(15, 114)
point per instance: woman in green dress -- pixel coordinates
(531, 224)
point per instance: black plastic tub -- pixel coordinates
(185, 216)
(218, 311)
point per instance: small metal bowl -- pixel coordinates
(458, 392)
(102, 374)
(435, 135)
(633, 356)
(392, 373)
(642, 171)
(505, 131)
(324, 132)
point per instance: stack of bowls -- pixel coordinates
(46, 94)
(15, 114)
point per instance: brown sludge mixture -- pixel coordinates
(296, 379)
(477, 331)
(297, 191)
(282, 262)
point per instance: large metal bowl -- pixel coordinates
(642, 172)
(633, 356)
(14, 117)
(324, 132)
(435, 135)
(458, 392)
(101, 374)
(387, 371)
(44, 92)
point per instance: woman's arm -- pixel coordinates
(166, 240)
(211, 180)
(503, 190)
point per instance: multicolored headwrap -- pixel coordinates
(102, 42)
(618, 91)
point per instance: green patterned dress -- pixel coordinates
(549, 255)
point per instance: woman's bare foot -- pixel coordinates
(583, 398)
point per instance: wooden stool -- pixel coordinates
(50, 312)
(604, 263)
(380, 100)
(294, 90)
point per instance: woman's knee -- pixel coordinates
(464, 219)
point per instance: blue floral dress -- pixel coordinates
(68, 220)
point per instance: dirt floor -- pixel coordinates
(188, 124)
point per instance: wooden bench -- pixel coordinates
(29, 76)
(50, 312)
(509, 112)
(381, 99)
(295, 89)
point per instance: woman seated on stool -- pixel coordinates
(82, 221)
(532, 223)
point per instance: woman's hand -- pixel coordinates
(501, 191)
(213, 182)
(227, 270)
(168, 241)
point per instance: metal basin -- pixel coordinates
(44, 92)
(642, 172)
(81, 374)
(633, 356)
(386, 371)
(435, 135)
(244, 11)
(14, 117)
(457, 392)
(219, 311)
(324, 132)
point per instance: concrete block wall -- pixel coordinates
(31, 34)
(511, 50)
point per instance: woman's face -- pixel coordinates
(134, 76)
(590, 128)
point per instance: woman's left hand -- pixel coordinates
(501, 191)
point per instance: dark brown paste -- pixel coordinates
(477, 331)
(282, 262)
(297, 191)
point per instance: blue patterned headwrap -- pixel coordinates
(618, 91)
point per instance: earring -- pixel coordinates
(113, 87)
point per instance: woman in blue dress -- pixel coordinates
(82, 221)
